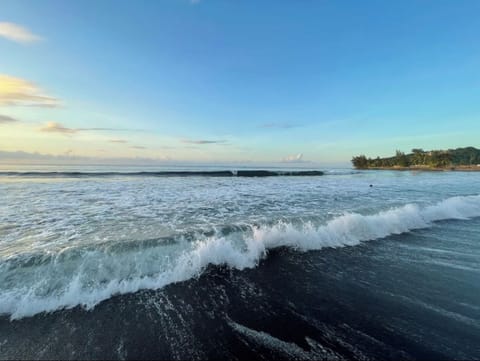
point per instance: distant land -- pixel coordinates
(463, 159)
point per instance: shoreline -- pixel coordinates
(461, 168)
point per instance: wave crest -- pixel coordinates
(101, 275)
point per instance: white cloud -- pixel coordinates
(17, 33)
(294, 158)
(17, 91)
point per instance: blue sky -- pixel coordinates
(230, 80)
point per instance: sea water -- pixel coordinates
(373, 263)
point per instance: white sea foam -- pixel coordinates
(96, 276)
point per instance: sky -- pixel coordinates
(237, 80)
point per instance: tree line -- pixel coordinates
(421, 158)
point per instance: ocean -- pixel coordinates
(128, 264)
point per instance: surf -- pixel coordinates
(75, 277)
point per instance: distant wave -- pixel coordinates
(341, 172)
(87, 277)
(222, 173)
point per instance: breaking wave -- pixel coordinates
(65, 281)
(213, 173)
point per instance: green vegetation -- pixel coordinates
(419, 158)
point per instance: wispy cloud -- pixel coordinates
(17, 91)
(294, 158)
(54, 127)
(7, 119)
(17, 33)
(121, 141)
(278, 125)
(203, 141)
(138, 147)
